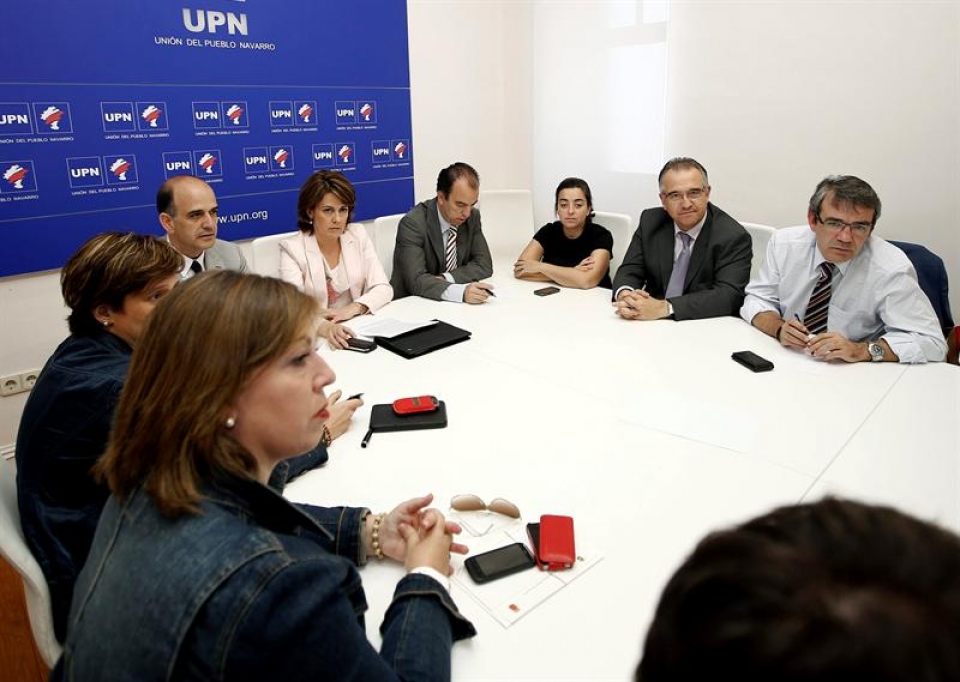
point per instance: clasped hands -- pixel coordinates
(824, 346)
(639, 305)
(417, 536)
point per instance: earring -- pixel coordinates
(231, 422)
(107, 323)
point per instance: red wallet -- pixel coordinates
(557, 548)
(424, 403)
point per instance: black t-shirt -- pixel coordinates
(559, 250)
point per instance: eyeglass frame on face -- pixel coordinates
(837, 226)
(695, 194)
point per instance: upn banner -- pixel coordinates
(100, 102)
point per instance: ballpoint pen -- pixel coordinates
(366, 438)
(355, 396)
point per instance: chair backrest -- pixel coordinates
(508, 225)
(932, 276)
(266, 254)
(14, 549)
(760, 234)
(622, 227)
(385, 229)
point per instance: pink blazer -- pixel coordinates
(301, 264)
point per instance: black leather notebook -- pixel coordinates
(425, 340)
(383, 418)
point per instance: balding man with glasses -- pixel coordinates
(687, 260)
(837, 291)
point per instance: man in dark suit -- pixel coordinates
(688, 260)
(441, 252)
(188, 210)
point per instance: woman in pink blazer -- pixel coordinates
(332, 260)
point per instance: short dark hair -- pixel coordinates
(845, 191)
(165, 202)
(454, 172)
(109, 267)
(835, 590)
(574, 183)
(682, 163)
(168, 431)
(318, 186)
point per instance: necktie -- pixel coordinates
(679, 274)
(451, 249)
(815, 319)
(196, 267)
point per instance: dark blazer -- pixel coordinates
(419, 255)
(719, 265)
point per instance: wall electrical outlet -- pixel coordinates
(28, 379)
(10, 385)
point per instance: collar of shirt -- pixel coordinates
(841, 268)
(444, 225)
(186, 272)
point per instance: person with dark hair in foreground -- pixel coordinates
(201, 571)
(831, 591)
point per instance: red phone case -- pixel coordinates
(557, 547)
(423, 403)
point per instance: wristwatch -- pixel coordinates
(876, 351)
(669, 309)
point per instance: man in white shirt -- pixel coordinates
(188, 210)
(839, 292)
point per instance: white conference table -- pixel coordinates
(648, 434)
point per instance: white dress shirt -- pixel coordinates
(455, 291)
(875, 295)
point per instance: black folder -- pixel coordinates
(425, 340)
(383, 418)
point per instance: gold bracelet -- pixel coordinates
(377, 549)
(325, 437)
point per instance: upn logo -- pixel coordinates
(207, 163)
(177, 163)
(368, 112)
(152, 116)
(121, 169)
(281, 158)
(55, 116)
(256, 160)
(346, 112)
(281, 114)
(84, 171)
(235, 113)
(206, 115)
(323, 156)
(18, 176)
(345, 154)
(380, 151)
(401, 150)
(15, 119)
(117, 117)
(305, 112)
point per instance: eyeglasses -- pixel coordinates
(690, 195)
(465, 503)
(835, 225)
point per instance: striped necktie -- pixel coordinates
(815, 319)
(451, 249)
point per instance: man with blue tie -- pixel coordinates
(837, 291)
(688, 259)
(188, 210)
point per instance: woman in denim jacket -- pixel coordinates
(200, 571)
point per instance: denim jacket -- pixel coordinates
(63, 431)
(253, 588)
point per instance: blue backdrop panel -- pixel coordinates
(101, 102)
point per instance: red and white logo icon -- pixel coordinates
(281, 157)
(120, 168)
(15, 175)
(305, 112)
(234, 113)
(400, 149)
(207, 163)
(51, 116)
(345, 152)
(366, 111)
(151, 115)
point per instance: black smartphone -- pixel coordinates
(360, 345)
(499, 563)
(546, 291)
(533, 532)
(752, 361)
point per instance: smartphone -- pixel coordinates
(499, 563)
(424, 403)
(752, 361)
(546, 291)
(556, 549)
(360, 345)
